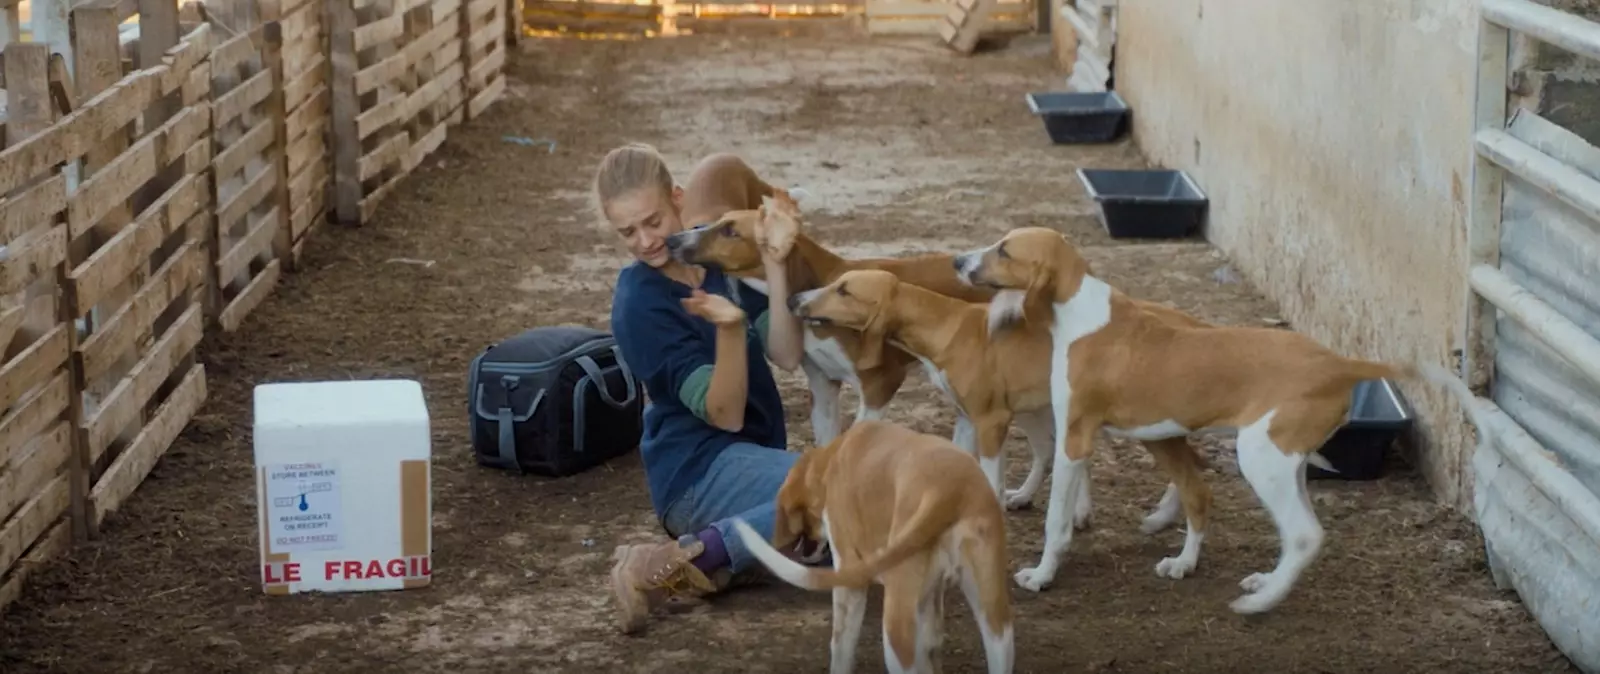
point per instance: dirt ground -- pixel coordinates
(904, 148)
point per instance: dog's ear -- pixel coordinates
(790, 520)
(778, 227)
(1038, 283)
(873, 334)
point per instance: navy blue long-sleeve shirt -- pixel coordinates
(672, 351)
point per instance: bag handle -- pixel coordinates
(506, 421)
(593, 370)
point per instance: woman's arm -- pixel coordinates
(730, 377)
(785, 342)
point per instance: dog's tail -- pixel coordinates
(925, 526)
(1367, 369)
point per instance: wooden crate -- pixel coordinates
(140, 288)
(306, 114)
(38, 474)
(484, 52)
(397, 84)
(251, 212)
(1094, 25)
(927, 17)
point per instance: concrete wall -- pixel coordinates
(1333, 139)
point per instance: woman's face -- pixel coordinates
(644, 218)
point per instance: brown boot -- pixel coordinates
(648, 573)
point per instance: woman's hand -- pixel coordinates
(715, 308)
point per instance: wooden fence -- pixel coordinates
(155, 184)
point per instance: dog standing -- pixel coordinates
(911, 512)
(1113, 366)
(991, 376)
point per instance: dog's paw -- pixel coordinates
(1082, 521)
(1017, 500)
(1254, 582)
(1034, 579)
(1174, 567)
(1155, 523)
(1253, 603)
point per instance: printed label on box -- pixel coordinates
(305, 500)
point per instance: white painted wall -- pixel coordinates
(1334, 141)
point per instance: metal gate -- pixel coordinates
(1532, 320)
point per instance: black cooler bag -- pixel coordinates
(553, 401)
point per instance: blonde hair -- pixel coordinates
(627, 168)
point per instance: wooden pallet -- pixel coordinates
(928, 17)
(305, 125)
(964, 23)
(1095, 24)
(398, 83)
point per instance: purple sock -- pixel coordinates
(715, 555)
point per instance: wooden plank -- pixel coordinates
(301, 56)
(487, 35)
(370, 204)
(32, 209)
(235, 157)
(118, 333)
(234, 51)
(390, 154)
(28, 419)
(11, 319)
(124, 253)
(340, 22)
(308, 117)
(123, 404)
(430, 92)
(487, 97)
(308, 181)
(477, 8)
(258, 240)
(488, 69)
(246, 199)
(425, 146)
(382, 31)
(32, 257)
(252, 296)
(35, 517)
(591, 9)
(35, 466)
(302, 23)
(307, 215)
(289, 6)
(380, 116)
(70, 136)
(35, 364)
(52, 544)
(129, 470)
(309, 87)
(229, 106)
(130, 171)
(310, 148)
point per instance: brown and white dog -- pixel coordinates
(993, 375)
(1115, 367)
(909, 511)
(832, 356)
(835, 355)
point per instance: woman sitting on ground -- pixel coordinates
(714, 445)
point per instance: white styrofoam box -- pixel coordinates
(343, 490)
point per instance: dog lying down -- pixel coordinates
(910, 511)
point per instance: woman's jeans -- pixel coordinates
(742, 482)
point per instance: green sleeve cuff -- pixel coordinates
(764, 327)
(694, 390)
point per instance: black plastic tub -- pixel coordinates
(1146, 204)
(1076, 118)
(1358, 450)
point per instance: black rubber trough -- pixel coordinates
(1146, 204)
(1076, 118)
(1358, 450)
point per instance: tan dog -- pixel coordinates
(833, 356)
(1119, 368)
(905, 509)
(836, 354)
(991, 377)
